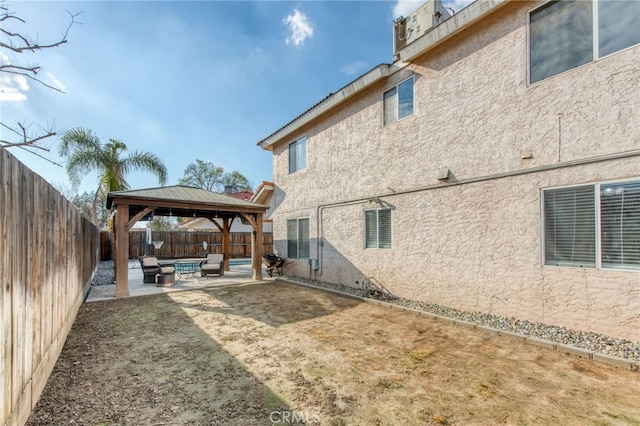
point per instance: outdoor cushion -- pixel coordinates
(150, 268)
(213, 265)
(167, 270)
(149, 261)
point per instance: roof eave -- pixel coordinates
(356, 86)
(459, 21)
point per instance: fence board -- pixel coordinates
(48, 254)
(6, 326)
(179, 244)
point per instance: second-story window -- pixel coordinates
(398, 102)
(562, 34)
(298, 155)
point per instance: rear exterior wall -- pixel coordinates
(476, 245)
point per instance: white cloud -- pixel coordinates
(406, 7)
(457, 5)
(299, 26)
(53, 81)
(12, 86)
(353, 68)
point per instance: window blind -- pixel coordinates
(620, 225)
(570, 223)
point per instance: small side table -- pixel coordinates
(166, 280)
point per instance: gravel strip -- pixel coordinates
(104, 273)
(593, 342)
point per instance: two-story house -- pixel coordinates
(494, 166)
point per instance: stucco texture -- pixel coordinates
(473, 242)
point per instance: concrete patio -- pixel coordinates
(238, 274)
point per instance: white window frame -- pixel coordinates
(397, 101)
(595, 40)
(390, 225)
(598, 226)
(301, 141)
(299, 239)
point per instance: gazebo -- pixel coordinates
(181, 201)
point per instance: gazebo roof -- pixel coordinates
(182, 201)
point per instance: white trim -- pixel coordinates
(595, 48)
(377, 210)
(397, 86)
(598, 224)
(297, 220)
(289, 154)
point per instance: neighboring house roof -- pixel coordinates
(242, 195)
(263, 193)
(463, 19)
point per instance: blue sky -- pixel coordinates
(190, 80)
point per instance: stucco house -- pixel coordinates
(494, 166)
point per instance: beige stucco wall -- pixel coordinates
(474, 246)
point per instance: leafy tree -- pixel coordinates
(87, 154)
(237, 181)
(163, 223)
(14, 40)
(206, 175)
(84, 203)
(203, 174)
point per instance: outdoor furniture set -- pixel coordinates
(162, 272)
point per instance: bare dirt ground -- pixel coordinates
(278, 354)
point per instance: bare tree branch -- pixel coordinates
(34, 70)
(18, 42)
(41, 156)
(25, 137)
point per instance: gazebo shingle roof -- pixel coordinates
(180, 200)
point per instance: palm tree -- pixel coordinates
(87, 154)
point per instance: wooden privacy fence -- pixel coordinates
(179, 244)
(48, 255)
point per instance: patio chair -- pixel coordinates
(213, 265)
(150, 268)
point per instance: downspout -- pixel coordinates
(319, 231)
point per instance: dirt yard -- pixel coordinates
(281, 354)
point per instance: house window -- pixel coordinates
(562, 34)
(593, 226)
(377, 228)
(298, 238)
(298, 155)
(398, 102)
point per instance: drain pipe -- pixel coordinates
(495, 176)
(319, 227)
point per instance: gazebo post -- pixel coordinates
(256, 248)
(226, 246)
(122, 251)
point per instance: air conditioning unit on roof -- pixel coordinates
(408, 29)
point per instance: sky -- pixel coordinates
(184, 80)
